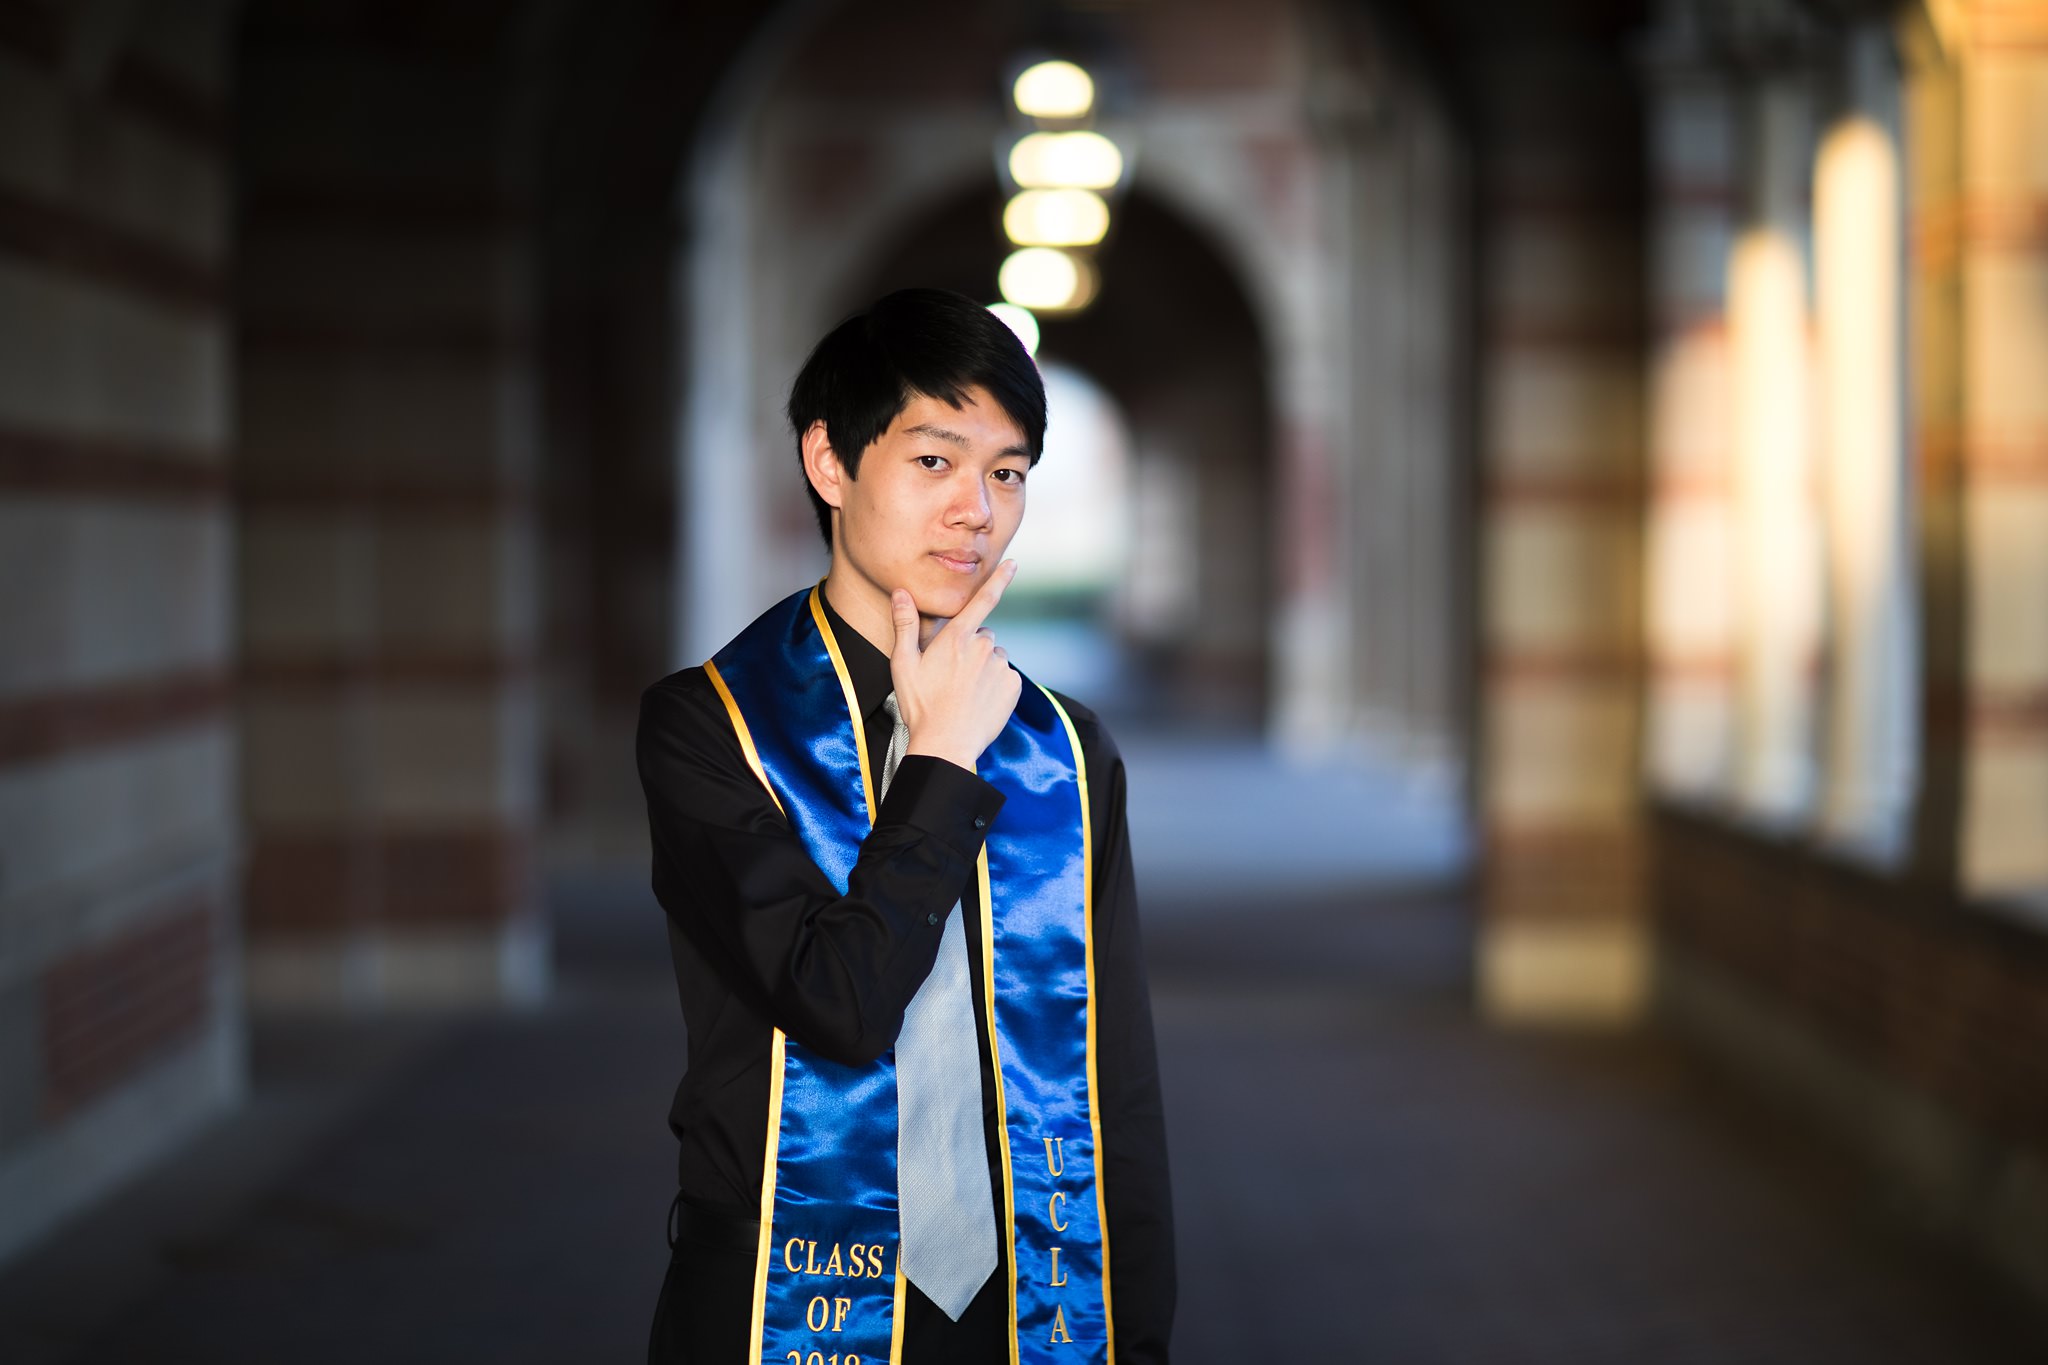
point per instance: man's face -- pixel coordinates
(937, 499)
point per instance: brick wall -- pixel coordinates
(1947, 999)
(1905, 1021)
(119, 1008)
(111, 1009)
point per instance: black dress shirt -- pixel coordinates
(761, 939)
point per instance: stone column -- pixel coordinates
(388, 591)
(1563, 935)
(121, 1021)
(1777, 560)
(1979, 184)
(1690, 599)
(1407, 277)
(1317, 467)
(1859, 268)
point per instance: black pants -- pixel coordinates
(707, 1296)
(705, 1313)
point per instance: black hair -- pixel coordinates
(932, 342)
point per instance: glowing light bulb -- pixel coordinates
(1054, 90)
(1046, 279)
(1082, 160)
(1018, 320)
(1056, 218)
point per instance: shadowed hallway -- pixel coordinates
(1579, 467)
(1362, 1172)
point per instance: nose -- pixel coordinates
(971, 508)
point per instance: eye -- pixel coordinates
(932, 461)
(1013, 477)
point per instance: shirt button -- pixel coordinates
(931, 919)
(980, 822)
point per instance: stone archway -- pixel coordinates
(1175, 338)
(1324, 209)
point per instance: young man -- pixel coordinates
(921, 1115)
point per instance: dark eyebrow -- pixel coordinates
(949, 437)
(954, 438)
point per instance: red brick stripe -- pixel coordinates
(1556, 873)
(1706, 198)
(65, 463)
(43, 726)
(1697, 321)
(1591, 664)
(340, 880)
(65, 239)
(484, 340)
(1941, 231)
(1990, 459)
(2012, 467)
(1583, 492)
(317, 881)
(137, 85)
(113, 467)
(387, 667)
(2002, 462)
(1551, 840)
(1693, 668)
(2003, 715)
(339, 492)
(1587, 198)
(110, 1008)
(367, 208)
(1672, 486)
(1554, 117)
(477, 878)
(1578, 336)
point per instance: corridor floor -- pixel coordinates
(1363, 1173)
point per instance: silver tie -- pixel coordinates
(946, 1205)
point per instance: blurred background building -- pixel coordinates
(1591, 453)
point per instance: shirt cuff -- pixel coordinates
(943, 800)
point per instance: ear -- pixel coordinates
(822, 467)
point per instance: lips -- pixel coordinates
(959, 561)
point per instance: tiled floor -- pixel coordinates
(1363, 1173)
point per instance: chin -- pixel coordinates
(947, 598)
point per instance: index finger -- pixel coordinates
(984, 600)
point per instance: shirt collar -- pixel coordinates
(868, 666)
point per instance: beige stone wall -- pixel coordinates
(1847, 518)
(120, 999)
(1851, 875)
(1980, 250)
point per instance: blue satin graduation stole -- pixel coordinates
(827, 1288)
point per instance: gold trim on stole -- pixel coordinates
(860, 729)
(1088, 956)
(775, 1048)
(995, 1058)
(867, 791)
(896, 1313)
